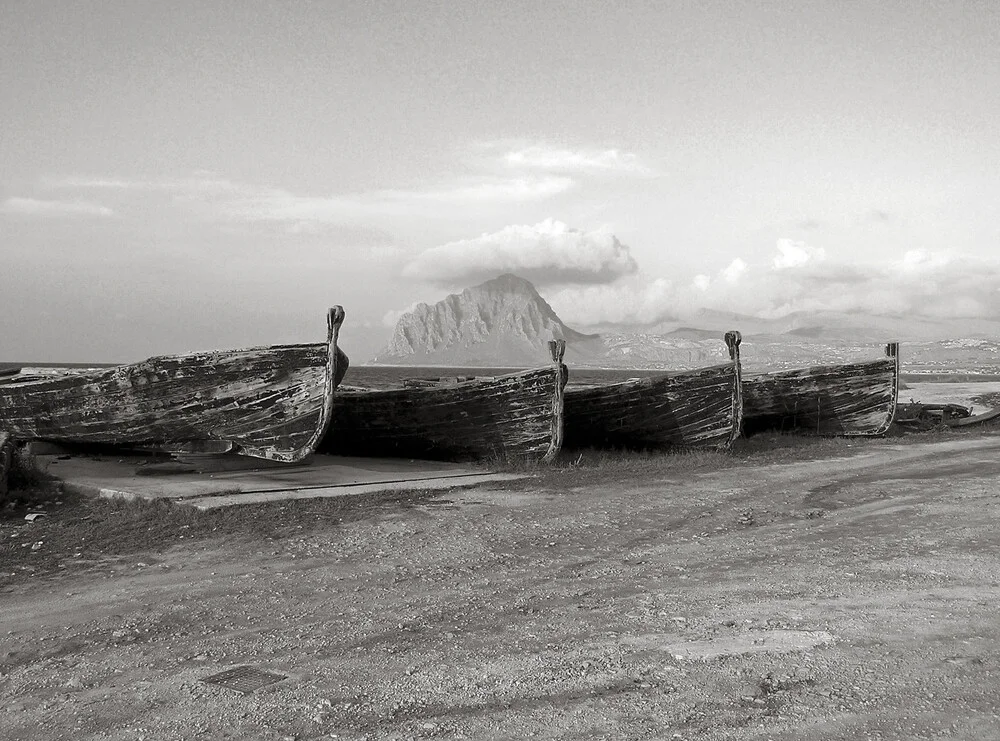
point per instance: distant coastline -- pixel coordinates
(6, 365)
(398, 369)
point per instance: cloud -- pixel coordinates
(284, 206)
(731, 274)
(392, 316)
(201, 183)
(633, 300)
(228, 199)
(798, 278)
(794, 254)
(50, 208)
(561, 159)
(546, 253)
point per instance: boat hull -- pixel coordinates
(6, 456)
(851, 399)
(698, 408)
(267, 402)
(513, 417)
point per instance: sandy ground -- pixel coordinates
(852, 598)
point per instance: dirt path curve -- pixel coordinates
(852, 598)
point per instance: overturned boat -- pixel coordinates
(511, 417)
(696, 408)
(271, 402)
(850, 399)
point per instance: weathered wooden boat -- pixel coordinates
(516, 417)
(848, 399)
(697, 408)
(270, 402)
(915, 415)
(990, 417)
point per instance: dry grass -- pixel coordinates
(81, 531)
(87, 530)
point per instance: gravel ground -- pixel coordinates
(852, 597)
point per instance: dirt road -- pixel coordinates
(853, 598)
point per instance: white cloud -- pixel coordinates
(546, 253)
(917, 261)
(792, 253)
(734, 270)
(488, 190)
(247, 202)
(392, 316)
(562, 159)
(200, 183)
(43, 208)
(920, 284)
(628, 301)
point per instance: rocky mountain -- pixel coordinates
(504, 322)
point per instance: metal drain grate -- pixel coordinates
(244, 679)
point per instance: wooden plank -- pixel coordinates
(557, 349)
(975, 419)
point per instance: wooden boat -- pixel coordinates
(517, 416)
(983, 418)
(921, 417)
(265, 402)
(849, 399)
(697, 408)
(916, 415)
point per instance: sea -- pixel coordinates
(387, 376)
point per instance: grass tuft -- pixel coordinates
(27, 484)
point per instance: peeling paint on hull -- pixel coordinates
(267, 402)
(699, 408)
(853, 399)
(516, 417)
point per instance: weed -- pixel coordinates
(24, 473)
(27, 484)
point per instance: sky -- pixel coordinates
(194, 175)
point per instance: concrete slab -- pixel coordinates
(322, 476)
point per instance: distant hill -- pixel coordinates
(691, 333)
(504, 322)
